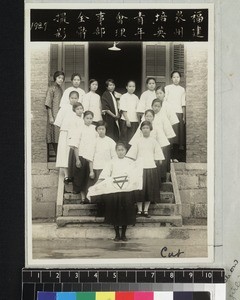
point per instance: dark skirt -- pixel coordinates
(120, 209)
(52, 135)
(180, 131)
(112, 127)
(151, 187)
(127, 132)
(79, 175)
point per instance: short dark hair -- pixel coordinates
(77, 104)
(73, 92)
(109, 81)
(74, 75)
(131, 81)
(155, 101)
(88, 112)
(150, 78)
(58, 73)
(121, 144)
(146, 123)
(101, 123)
(91, 81)
(149, 110)
(161, 87)
(173, 72)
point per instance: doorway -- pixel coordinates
(121, 65)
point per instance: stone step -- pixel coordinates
(167, 187)
(158, 209)
(69, 198)
(141, 221)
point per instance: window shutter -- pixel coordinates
(53, 60)
(156, 62)
(178, 61)
(74, 58)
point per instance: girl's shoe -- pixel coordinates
(146, 215)
(139, 213)
(67, 180)
(117, 238)
(75, 192)
(124, 238)
(85, 201)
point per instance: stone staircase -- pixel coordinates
(166, 213)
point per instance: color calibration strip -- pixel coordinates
(124, 296)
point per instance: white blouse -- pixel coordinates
(146, 150)
(117, 167)
(65, 96)
(161, 120)
(171, 115)
(129, 104)
(84, 139)
(146, 100)
(175, 96)
(104, 151)
(92, 102)
(64, 117)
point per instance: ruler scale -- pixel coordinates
(97, 280)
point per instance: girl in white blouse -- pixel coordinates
(83, 144)
(76, 81)
(166, 107)
(104, 151)
(64, 121)
(148, 151)
(120, 206)
(147, 97)
(129, 120)
(92, 101)
(175, 96)
(158, 132)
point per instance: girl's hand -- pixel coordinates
(117, 117)
(78, 164)
(184, 120)
(128, 123)
(92, 175)
(51, 120)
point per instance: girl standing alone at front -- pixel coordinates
(120, 206)
(76, 81)
(129, 120)
(54, 95)
(148, 151)
(92, 101)
(83, 145)
(175, 96)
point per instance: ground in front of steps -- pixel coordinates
(74, 242)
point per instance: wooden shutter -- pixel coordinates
(74, 61)
(156, 62)
(178, 61)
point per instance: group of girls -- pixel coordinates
(96, 137)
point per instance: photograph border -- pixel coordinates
(146, 262)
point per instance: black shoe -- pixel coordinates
(85, 201)
(146, 215)
(124, 238)
(139, 213)
(67, 180)
(117, 238)
(76, 192)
